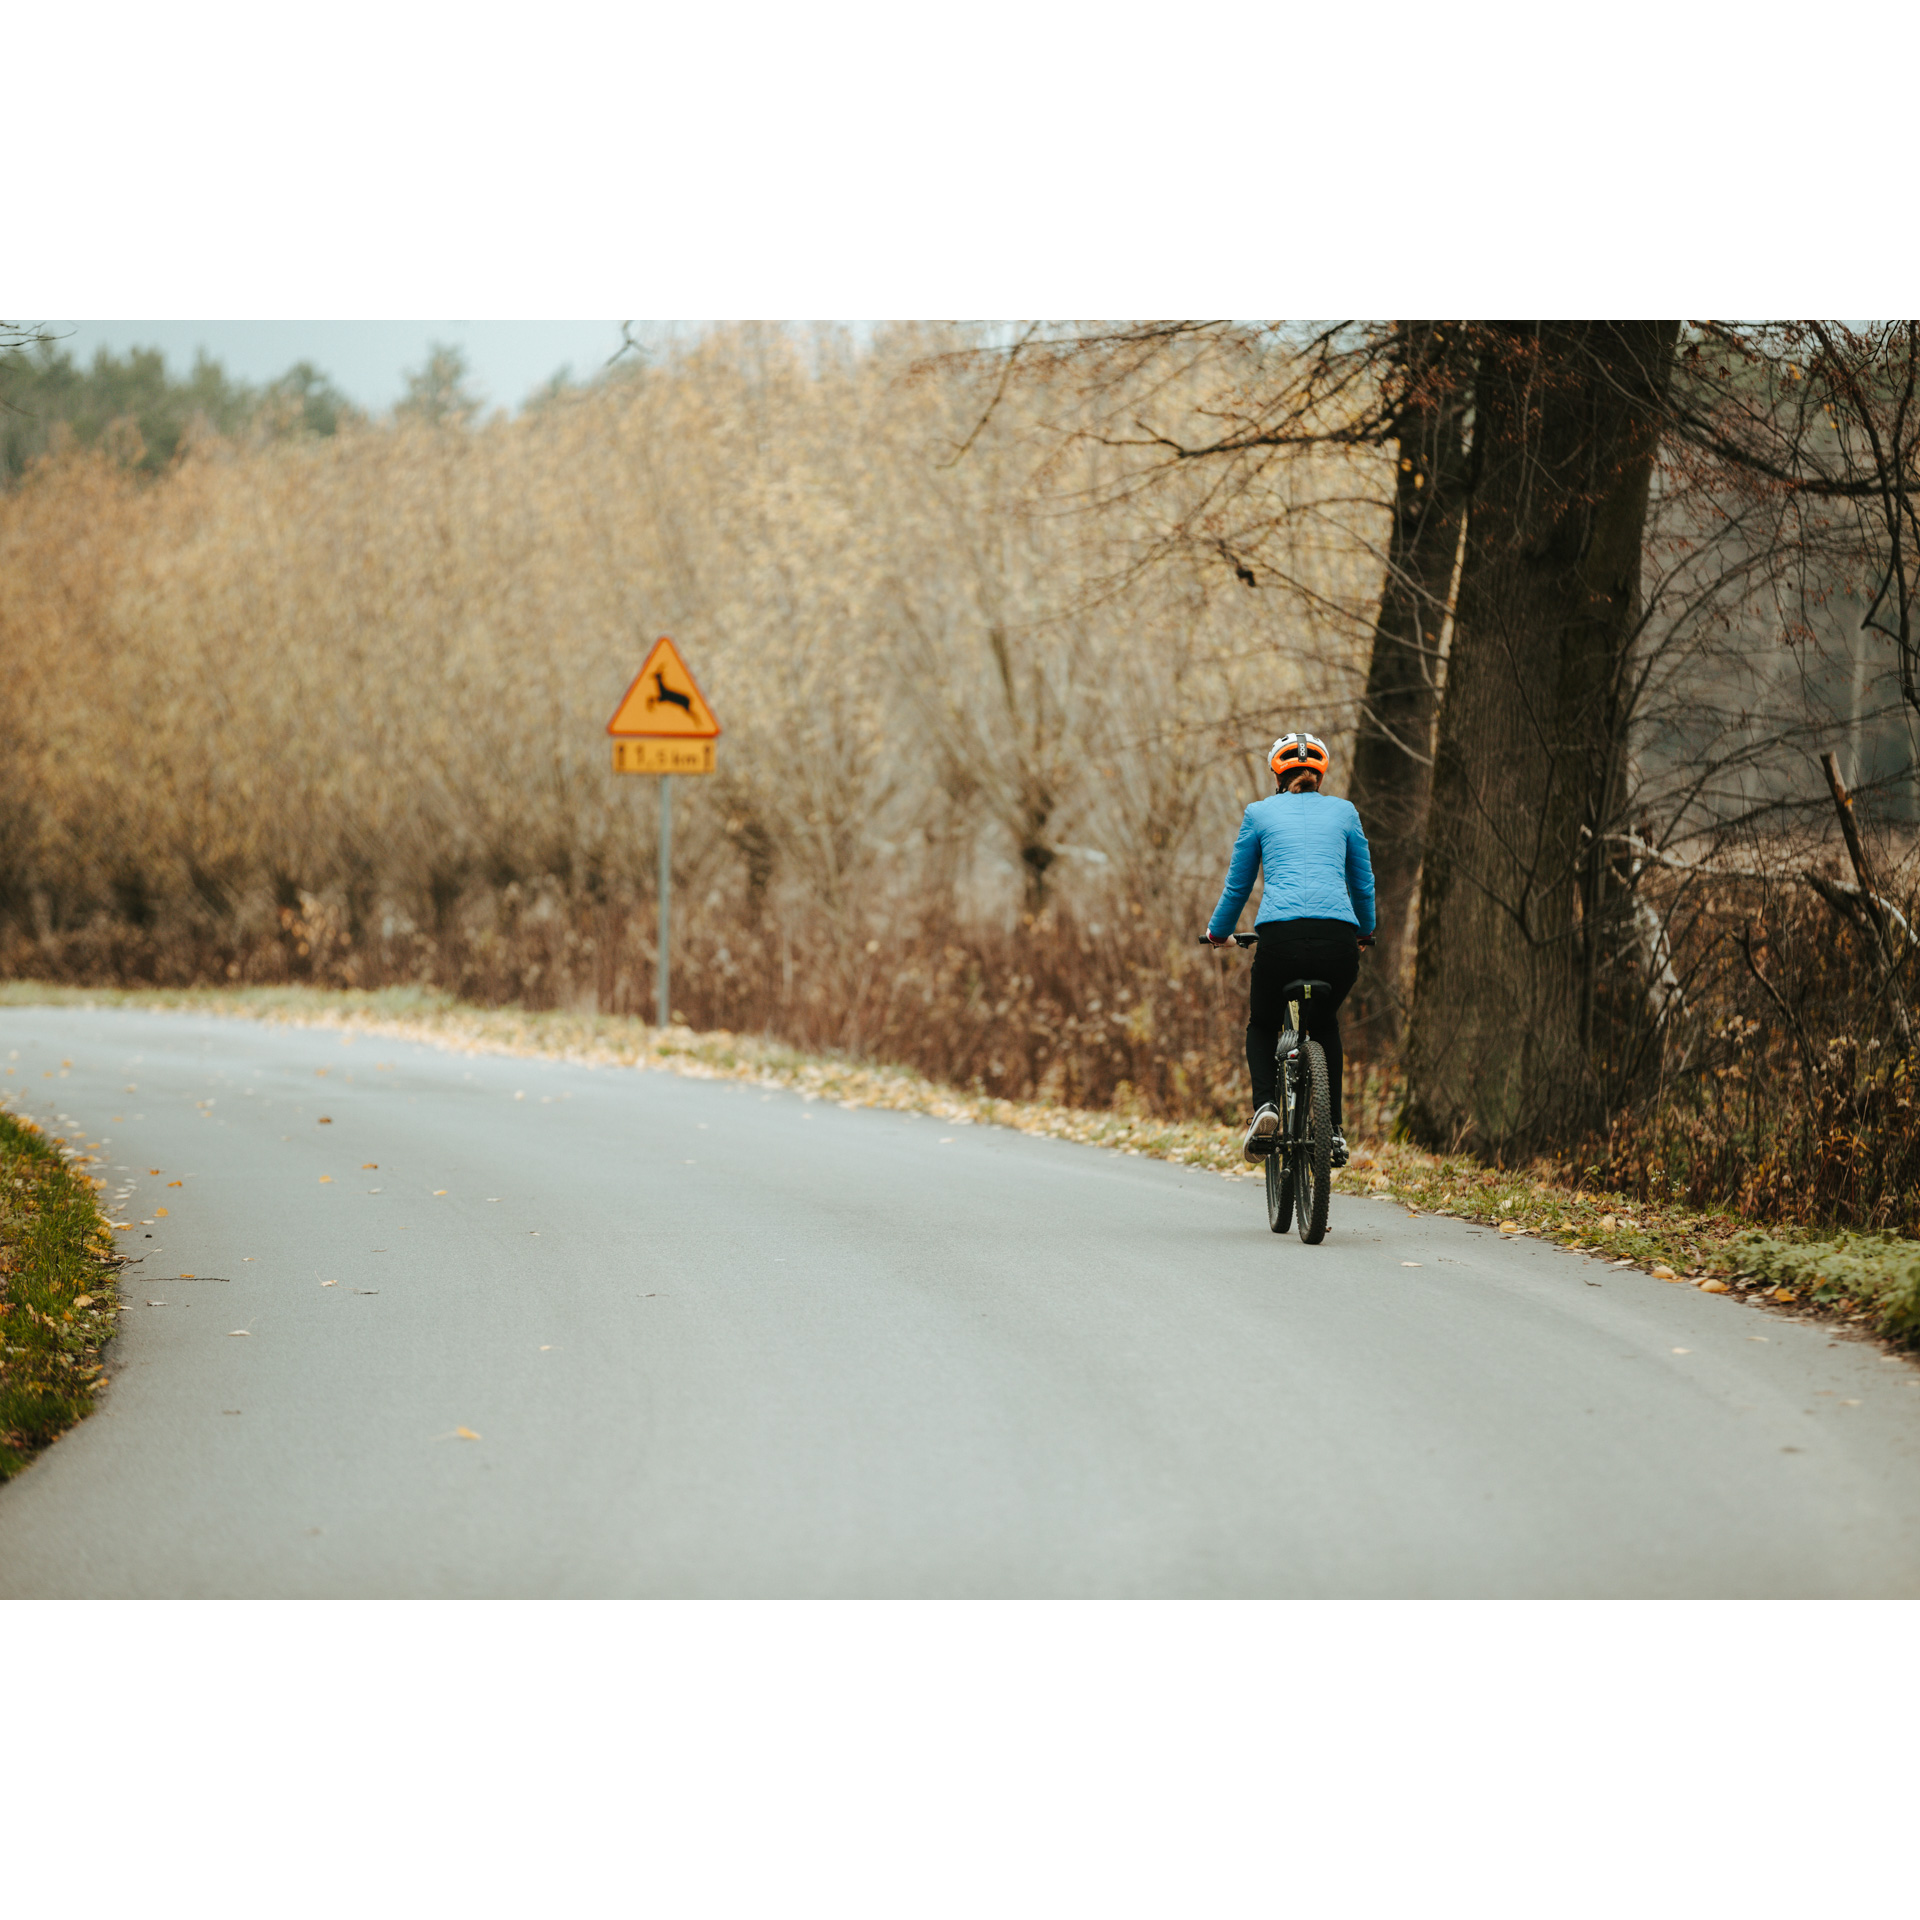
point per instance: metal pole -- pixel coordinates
(666, 896)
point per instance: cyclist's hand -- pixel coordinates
(1366, 940)
(1217, 939)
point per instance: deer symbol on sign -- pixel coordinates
(667, 696)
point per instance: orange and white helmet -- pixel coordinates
(1298, 753)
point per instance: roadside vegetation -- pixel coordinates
(1869, 1281)
(57, 1296)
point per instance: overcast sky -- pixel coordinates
(365, 359)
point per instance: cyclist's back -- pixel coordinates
(1314, 854)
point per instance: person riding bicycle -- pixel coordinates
(1316, 913)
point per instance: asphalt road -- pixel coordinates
(714, 1340)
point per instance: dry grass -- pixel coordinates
(332, 710)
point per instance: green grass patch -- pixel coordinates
(1870, 1277)
(57, 1297)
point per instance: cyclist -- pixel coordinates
(1316, 913)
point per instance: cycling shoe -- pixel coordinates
(1337, 1148)
(1262, 1132)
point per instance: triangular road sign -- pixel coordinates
(663, 703)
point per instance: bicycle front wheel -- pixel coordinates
(1314, 1154)
(1280, 1187)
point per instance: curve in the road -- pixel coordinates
(714, 1340)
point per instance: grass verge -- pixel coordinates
(1868, 1280)
(57, 1306)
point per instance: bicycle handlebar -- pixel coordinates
(1252, 940)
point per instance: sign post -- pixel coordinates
(663, 726)
(662, 995)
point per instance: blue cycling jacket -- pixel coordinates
(1314, 855)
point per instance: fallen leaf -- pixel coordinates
(1682, 1349)
(1714, 1286)
(438, 1191)
(159, 1213)
(1761, 1337)
(369, 1166)
(1508, 1226)
(326, 1179)
(186, 1276)
(176, 1183)
(329, 1283)
(240, 1333)
(325, 1120)
(155, 1171)
(1410, 1263)
(465, 1433)
(1606, 1222)
(1849, 1403)
(85, 1300)
(1783, 1294)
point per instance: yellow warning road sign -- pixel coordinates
(663, 756)
(663, 704)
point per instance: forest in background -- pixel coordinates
(999, 625)
(330, 707)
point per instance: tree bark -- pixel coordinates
(1393, 754)
(1532, 731)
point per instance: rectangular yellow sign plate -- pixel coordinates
(663, 756)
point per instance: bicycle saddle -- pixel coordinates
(1305, 989)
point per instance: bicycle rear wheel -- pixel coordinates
(1314, 1154)
(1280, 1187)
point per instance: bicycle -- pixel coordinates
(1300, 1160)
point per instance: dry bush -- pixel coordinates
(333, 709)
(1770, 1072)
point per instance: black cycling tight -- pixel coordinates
(1326, 950)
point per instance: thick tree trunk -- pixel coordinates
(1530, 735)
(1393, 755)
